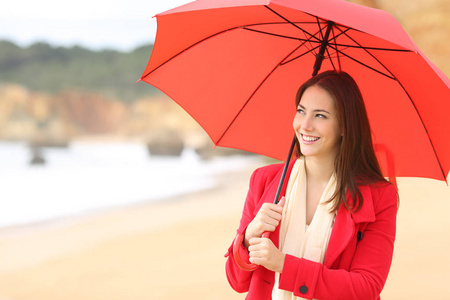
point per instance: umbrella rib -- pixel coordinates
(243, 106)
(331, 60)
(412, 102)
(394, 78)
(341, 33)
(320, 27)
(358, 46)
(366, 49)
(301, 55)
(292, 23)
(373, 48)
(279, 35)
(223, 31)
(191, 46)
(251, 96)
(365, 65)
(426, 130)
(337, 52)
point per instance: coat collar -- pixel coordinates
(366, 213)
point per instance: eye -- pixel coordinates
(321, 116)
(300, 110)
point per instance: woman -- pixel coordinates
(338, 217)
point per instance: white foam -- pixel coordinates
(89, 176)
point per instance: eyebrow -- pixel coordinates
(316, 110)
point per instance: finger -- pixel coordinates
(277, 208)
(272, 211)
(253, 242)
(263, 220)
(271, 208)
(258, 254)
(255, 251)
(255, 261)
(259, 244)
(269, 223)
(282, 201)
(260, 226)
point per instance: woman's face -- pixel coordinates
(317, 124)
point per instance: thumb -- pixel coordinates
(282, 201)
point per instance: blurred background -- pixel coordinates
(73, 114)
(79, 136)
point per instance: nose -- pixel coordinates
(306, 124)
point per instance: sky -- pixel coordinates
(96, 24)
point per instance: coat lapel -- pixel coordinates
(343, 230)
(345, 225)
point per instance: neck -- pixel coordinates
(319, 170)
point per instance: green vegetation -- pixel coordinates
(45, 68)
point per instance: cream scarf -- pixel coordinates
(297, 238)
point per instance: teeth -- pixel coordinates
(310, 138)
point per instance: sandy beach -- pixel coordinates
(173, 249)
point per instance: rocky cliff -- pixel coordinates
(55, 118)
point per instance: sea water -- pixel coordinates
(88, 176)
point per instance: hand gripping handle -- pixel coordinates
(237, 246)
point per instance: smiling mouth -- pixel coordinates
(309, 139)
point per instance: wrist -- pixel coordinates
(281, 264)
(246, 240)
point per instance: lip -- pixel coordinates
(310, 139)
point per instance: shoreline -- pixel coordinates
(86, 179)
(65, 236)
(72, 219)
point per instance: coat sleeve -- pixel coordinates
(238, 278)
(369, 268)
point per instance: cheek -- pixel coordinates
(296, 123)
(336, 133)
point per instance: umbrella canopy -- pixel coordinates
(235, 67)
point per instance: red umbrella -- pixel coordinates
(235, 66)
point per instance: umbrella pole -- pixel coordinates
(283, 175)
(320, 56)
(317, 65)
(238, 241)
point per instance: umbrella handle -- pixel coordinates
(237, 247)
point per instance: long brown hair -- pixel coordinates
(356, 163)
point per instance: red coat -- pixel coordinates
(359, 252)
